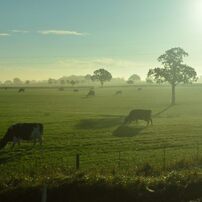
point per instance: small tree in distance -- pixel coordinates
(62, 82)
(17, 81)
(102, 76)
(72, 82)
(88, 77)
(27, 82)
(173, 72)
(134, 78)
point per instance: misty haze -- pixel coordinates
(101, 101)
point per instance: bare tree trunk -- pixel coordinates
(173, 95)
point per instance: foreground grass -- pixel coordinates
(172, 186)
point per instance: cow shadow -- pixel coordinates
(99, 123)
(127, 131)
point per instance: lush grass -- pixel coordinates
(93, 128)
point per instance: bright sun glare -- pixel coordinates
(197, 10)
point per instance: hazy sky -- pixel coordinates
(52, 38)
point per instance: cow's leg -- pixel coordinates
(15, 140)
(40, 140)
(18, 142)
(34, 142)
(151, 121)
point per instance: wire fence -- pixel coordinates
(161, 158)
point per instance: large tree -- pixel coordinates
(102, 76)
(173, 70)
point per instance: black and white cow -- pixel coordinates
(23, 131)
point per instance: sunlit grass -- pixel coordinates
(92, 127)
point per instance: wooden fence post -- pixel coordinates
(119, 160)
(77, 161)
(44, 193)
(197, 151)
(164, 158)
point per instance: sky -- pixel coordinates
(53, 38)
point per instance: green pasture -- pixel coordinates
(92, 127)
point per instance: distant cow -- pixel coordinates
(61, 89)
(139, 114)
(119, 92)
(139, 89)
(21, 90)
(23, 131)
(76, 90)
(90, 93)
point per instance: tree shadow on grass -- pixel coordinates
(127, 131)
(162, 111)
(99, 123)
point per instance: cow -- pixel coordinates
(90, 93)
(119, 92)
(76, 90)
(23, 131)
(61, 89)
(21, 90)
(139, 89)
(139, 114)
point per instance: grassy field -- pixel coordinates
(93, 128)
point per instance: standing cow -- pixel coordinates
(139, 114)
(23, 131)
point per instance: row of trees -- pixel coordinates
(17, 81)
(173, 72)
(100, 75)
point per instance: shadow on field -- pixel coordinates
(99, 123)
(126, 131)
(162, 111)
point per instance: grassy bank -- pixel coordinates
(173, 186)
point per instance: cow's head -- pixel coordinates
(127, 120)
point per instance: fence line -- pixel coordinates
(162, 157)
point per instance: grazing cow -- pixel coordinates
(139, 89)
(76, 90)
(139, 114)
(21, 90)
(119, 92)
(61, 89)
(23, 131)
(90, 93)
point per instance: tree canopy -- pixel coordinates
(102, 76)
(173, 70)
(134, 78)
